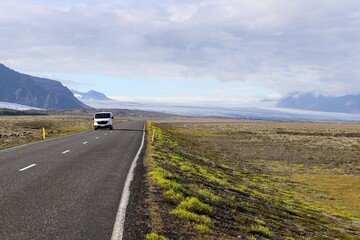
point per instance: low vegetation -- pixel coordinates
(254, 180)
(25, 129)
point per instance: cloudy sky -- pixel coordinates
(228, 50)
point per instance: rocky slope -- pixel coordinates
(36, 92)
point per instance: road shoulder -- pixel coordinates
(137, 215)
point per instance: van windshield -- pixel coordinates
(102, 115)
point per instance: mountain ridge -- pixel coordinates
(90, 95)
(36, 92)
(322, 103)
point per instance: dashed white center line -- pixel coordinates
(85, 143)
(66, 151)
(96, 137)
(105, 134)
(23, 169)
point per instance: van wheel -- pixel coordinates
(111, 128)
(95, 128)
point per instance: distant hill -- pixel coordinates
(36, 92)
(310, 101)
(90, 95)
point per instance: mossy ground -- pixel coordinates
(255, 180)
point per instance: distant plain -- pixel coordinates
(17, 130)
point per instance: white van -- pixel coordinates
(103, 120)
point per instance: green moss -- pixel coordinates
(192, 217)
(174, 196)
(202, 228)
(169, 184)
(261, 230)
(260, 221)
(193, 204)
(175, 157)
(346, 215)
(212, 177)
(160, 173)
(224, 166)
(186, 168)
(155, 236)
(157, 156)
(244, 190)
(165, 180)
(209, 195)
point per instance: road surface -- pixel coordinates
(69, 187)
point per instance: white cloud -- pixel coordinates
(283, 45)
(182, 13)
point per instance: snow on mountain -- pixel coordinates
(15, 106)
(199, 110)
(90, 95)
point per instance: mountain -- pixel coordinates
(314, 102)
(90, 95)
(36, 92)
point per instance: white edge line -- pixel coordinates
(118, 229)
(66, 151)
(23, 169)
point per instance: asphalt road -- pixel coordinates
(66, 188)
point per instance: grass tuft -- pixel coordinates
(155, 236)
(209, 195)
(174, 196)
(195, 205)
(202, 228)
(261, 230)
(192, 217)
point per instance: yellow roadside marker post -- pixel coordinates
(153, 137)
(43, 133)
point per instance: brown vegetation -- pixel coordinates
(25, 129)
